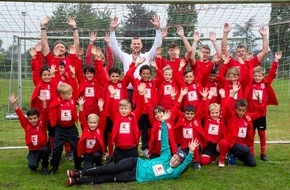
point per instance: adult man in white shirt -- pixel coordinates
(136, 46)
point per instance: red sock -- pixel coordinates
(205, 160)
(224, 147)
(196, 157)
(67, 147)
(262, 135)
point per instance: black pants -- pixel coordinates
(63, 135)
(123, 171)
(244, 154)
(144, 125)
(35, 156)
(121, 154)
(92, 160)
(108, 129)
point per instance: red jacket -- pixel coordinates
(237, 133)
(269, 96)
(91, 141)
(61, 110)
(35, 136)
(163, 94)
(201, 70)
(125, 133)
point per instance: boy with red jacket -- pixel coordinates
(63, 115)
(240, 133)
(91, 144)
(125, 134)
(35, 127)
(260, 86)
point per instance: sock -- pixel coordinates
(262, 135)
(224, 147)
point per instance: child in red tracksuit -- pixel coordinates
(191, 128)
(240, 133)
(215, 130)
(151, 95)
(155, 119)
(125, 134)
(260, 86)
(119, 84)
(35, 127)
(63, 115)
(91, 144)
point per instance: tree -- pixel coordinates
(180, 14)
(279, 31)
(137, 24)
(246, 34)
(87, 19)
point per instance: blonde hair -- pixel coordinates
(260, 70)
(125, 103)
(213, 106)
(64, 88)
(93, 116)
(167, 68)
(234, 71)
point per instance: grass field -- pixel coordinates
(270, 175)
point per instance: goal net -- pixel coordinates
(20, 30)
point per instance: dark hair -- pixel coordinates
(190, 108)
(135, 38)
(44, 68)
(158, 109)
(89, 68)
(32, 112)
(241, 46)
(214, 70)
(241, 103)
(114, 70)
(187, 71)
(172, 45)
(58, 42)
(61, 63)
(145, 67)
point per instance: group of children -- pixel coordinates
(209, 108)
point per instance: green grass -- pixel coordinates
(270, 175)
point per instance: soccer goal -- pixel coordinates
(20, 30)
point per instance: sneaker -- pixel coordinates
(53, 170)
(73, 174)
(232, 159)
(196, 166)
(72, 181)
(264, 157)
(222, 164)
(44, 171)
(69, 156)
(145, 153)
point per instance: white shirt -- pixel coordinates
(127, 59)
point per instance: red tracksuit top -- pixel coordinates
(163, 94)
(35, 136)
(266, 92)
(155, 136)
(125, 133)
(239, 130)
(201, 70)
(91, 141)
(193, 129)
(62, 112)
(40, 86)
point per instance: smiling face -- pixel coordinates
(136, 45)
(188, 77)
(114, 77)
(240, 111)
(61, 49)
(89, 75)
(93, 121)
(214, 113)
(145, 74)
(45, 76)
(67, 95)
(175, 161)
(241, 52)
(167, 74)
(258, 77)
(33, 119)
(189, 115)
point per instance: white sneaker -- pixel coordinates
(145, 153)
(222, 164)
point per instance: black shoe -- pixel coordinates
(108, 160)
(69, 156)
(44, 171)
(264, 157)
(53, 170)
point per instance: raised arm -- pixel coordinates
(44, 41)
(212, 37)
(88, 57)
(72, 23)
(226, 31)
(180, 32)
(158, 37)
(196, 39)
(265, 44)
